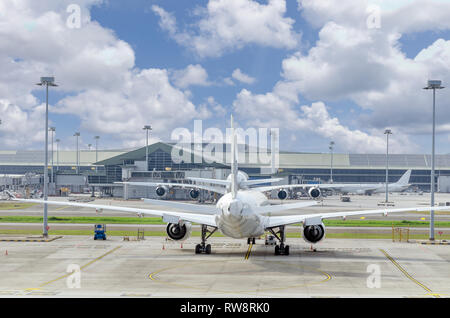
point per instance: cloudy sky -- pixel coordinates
(319, 70)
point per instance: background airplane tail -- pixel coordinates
(404, 180)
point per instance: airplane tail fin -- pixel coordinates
(234, 164)
(404, 180)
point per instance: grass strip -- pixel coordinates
(15, 205)
(346, 235)
(158, 221)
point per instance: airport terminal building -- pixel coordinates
(99, 170)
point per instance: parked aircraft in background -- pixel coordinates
(314, 190)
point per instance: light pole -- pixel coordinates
(77, 134)
(46, 81)
(434, 85)
(52, 129)
(57, 153)
(387, 132)
(96, 150)
(331, 164)
(147, 128)
(96, 147)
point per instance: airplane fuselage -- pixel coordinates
(373, 188)
(237, 219)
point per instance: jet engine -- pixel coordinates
(194, 193)
(314, 192)
(179, 232)
(314, 233)
(282, 194)
(161, 191)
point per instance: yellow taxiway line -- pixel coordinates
(82, 267)
(389, 257)
(247, 255)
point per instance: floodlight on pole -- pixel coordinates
(147, 128)
(387, 132)
(77, 134)
(331, 163)
(46, 81)
(434, 85)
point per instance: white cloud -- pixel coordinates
(107, 92)
(146, 98)
(191, 75)
(228, 81)
(227, 25)
(367, 66)
(350, 62)
(21, 128)
(271, 110)
(241, 77)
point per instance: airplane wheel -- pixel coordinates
(208, 249)
(277, 250)
(286, 250)
(253, 241)
(198, 248)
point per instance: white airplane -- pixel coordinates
(314, 190)
(239, 213)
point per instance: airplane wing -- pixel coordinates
(259, 181)
(208, 209)
(275, 221)
(269, 209)
(227, 183)
(200, 208)
(282, 186)
(181, 216)
(211, 181)
(181, 185)
(336, 186)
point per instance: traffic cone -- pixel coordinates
(164, 247)
(6, 253)
(181, 245)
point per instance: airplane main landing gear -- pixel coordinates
(204, 248)
(251, 240)
(281, 236)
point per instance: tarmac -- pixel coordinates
(78, 266)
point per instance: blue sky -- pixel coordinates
(316, 72)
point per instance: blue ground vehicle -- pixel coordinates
(100, 232)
